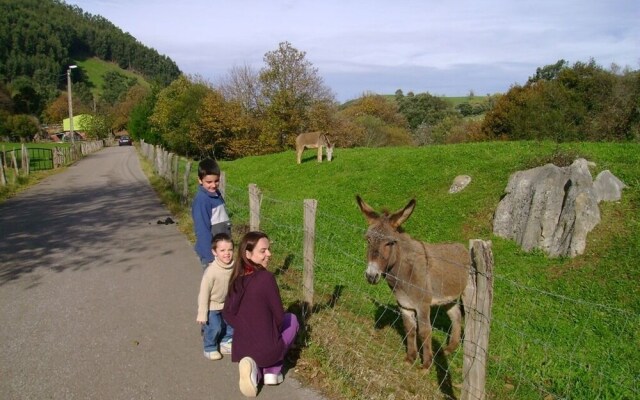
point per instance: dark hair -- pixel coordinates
(220, 237)
(208, 166)
(248, 243)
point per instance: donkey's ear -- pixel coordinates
(366, 209)
(400, 216)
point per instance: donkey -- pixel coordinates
(313, 140)
(419, 274)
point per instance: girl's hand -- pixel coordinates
(201, 322)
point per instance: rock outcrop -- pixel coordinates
(553, 208)
(608, 187)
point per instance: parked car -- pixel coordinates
(125, 141)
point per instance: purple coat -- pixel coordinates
(254, 310)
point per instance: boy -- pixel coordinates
(216, 333)
(208, 210)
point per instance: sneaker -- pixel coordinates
(273, 379)
(213, 355)
(248, 377)
(225, 347)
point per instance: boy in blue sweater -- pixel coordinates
(208, 210)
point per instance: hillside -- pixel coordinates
(39, 39)
(94, 70)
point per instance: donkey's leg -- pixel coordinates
(424, 335)
(299, 154)
(319, 153)
(455, 315)
(409, 322)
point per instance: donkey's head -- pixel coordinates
(329, 152)
(382, 238)
(329, 148)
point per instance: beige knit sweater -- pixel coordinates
(213, 288)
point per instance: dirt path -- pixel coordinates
(98, 300)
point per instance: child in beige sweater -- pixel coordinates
(216, 333)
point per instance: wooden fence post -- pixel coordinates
(255, 198)
(478, 298)
(15, 167)
(3, 177)
(175, 174)
(310, 206)
(223, 184)
(24, 159)
(185, 183)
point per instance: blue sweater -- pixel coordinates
(209, 218)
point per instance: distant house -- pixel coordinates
(80, 125)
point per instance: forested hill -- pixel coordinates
(40, 38)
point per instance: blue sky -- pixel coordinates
(441, 47)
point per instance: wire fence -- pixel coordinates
(560, 348)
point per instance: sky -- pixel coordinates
(448, 48)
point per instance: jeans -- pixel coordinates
(216, 330)
(289, 331)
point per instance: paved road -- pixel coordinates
(97, 300)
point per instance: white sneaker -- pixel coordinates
(273, 379)
(248, 377)
(213, 355)
(225, 347)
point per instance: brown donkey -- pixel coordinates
(419, 274)
(313, 140)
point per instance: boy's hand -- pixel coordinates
(201, 322)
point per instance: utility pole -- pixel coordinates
(70, 102)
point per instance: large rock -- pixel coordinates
(459, 183)
(550, 208)
(608, 187)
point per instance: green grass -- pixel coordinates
(565, 328)
(95, 69)
(8, 146)
(561, 328)
(454, 101)
(18, 182)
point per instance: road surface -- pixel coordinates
(98, 300)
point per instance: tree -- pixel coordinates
(422, 108)
(116, 86)
(139, 125)
(378, 122)
(290, 86)
(23, 127)
(562, 103)
(6, 104)
(548, 72)
(217, 125)
(242, 84)
(57, 110)
(25, 96)
(175, 113)
(122, 110)
(98, 126)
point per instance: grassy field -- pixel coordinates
(561, 328)
(95, 69)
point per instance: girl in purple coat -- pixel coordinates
(263, 332)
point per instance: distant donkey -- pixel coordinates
(313, 140)
(419, 274)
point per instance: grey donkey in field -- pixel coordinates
(313, 140)
(419, 274)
